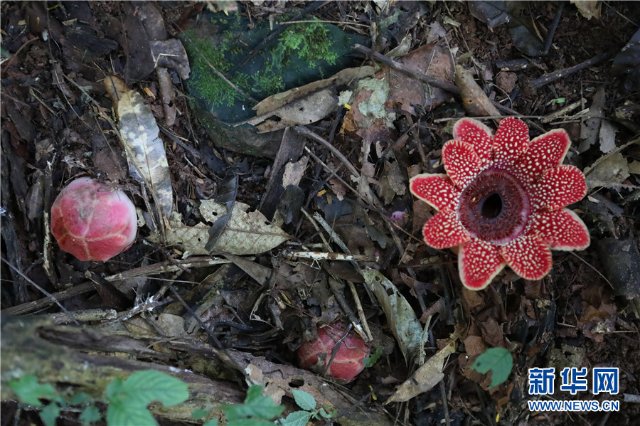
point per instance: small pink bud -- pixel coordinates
(348, 361)
(92, 221)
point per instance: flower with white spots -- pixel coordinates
(502, 200)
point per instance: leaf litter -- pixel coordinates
(386, 126)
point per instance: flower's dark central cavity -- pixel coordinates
(494, 207)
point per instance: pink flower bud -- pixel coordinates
(92, 221)
(348, 361)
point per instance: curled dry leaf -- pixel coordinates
(246, 232)
(425, 377)
(306, 110)
(400, 315)
(145, 151)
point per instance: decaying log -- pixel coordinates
(88, 357)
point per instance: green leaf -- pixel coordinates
(371, 360)
(128, 399)
(121, 413)
(255, 405)
(80, 398)
(143, 387)
(297, 418)
(113, 392)
(325, 414)
(29, 391)
(199, 413)
(305, 400)
(497, 360)
(90, 414)
(49, 414)
(212, 422)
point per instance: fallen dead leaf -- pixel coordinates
(425, 377)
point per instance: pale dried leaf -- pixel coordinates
(590, 128)
(588, 8)
(607, 137)
(144, 149)
(609, 172)
(294, 171)
(306, 110)
(425, 378)
(341, 78)
(634, 167)
(400, 315)
(392, 182)
(246, 232)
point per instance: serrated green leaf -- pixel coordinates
(90, 414)
(113, 391)
(255, 405)
(297, 418)
(305, 400)
(29, 391)
(143, 387)
(199, 413)
(121, 413)
(49, 414)
(497, 360)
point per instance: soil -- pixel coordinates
(59, 123)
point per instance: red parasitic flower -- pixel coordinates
(502, 200)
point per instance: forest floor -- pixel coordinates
(331, 232)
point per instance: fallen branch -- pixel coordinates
(565, 72)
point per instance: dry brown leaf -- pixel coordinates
(425, 377)
(474, 100)
(341, 78)
(145, 151)
(246, 232)
(302, 111)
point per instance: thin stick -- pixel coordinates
(444, 85)
(565, 72)
(552, 30)
(51, 297)
(308, 133)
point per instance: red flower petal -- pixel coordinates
(444, 230)
(435, 189)
(545, 152)
(558, 188)
(562, 230)
(511, 140)
(528, 256)
(474, 133)
(461, 162)
(478, 263)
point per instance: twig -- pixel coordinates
(86, 287)
(308, 133)
(50, 296)
(552, 30)
(444, 85)
(230, 83)
(565, 72)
